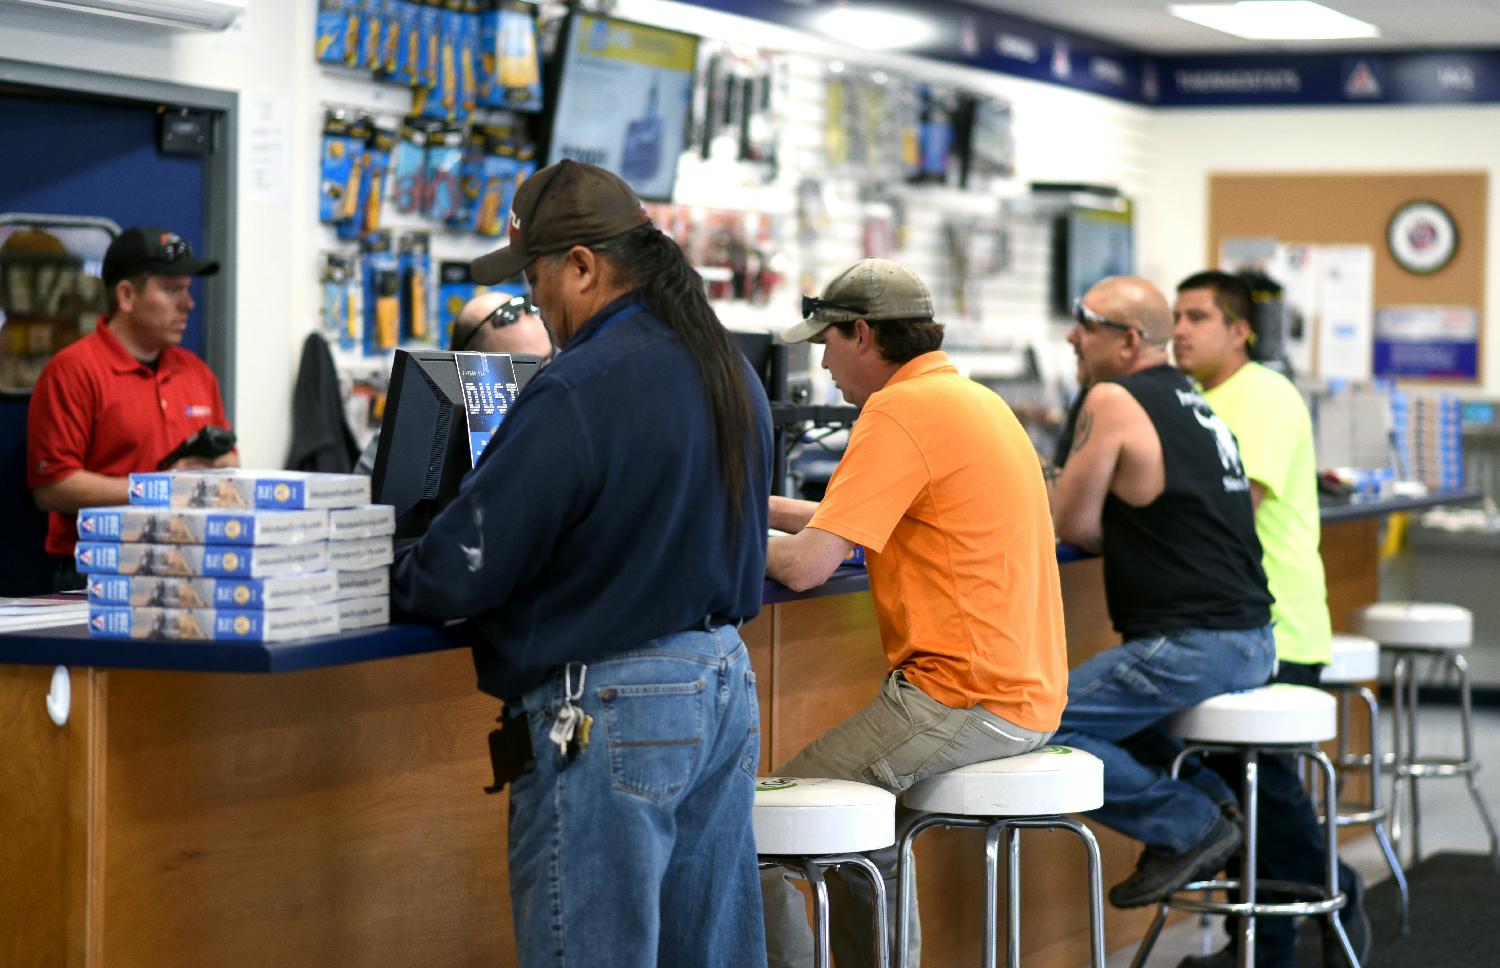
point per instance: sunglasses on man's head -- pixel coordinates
(506, 314)
(812, 304)
(174, 247)
(1091, 321)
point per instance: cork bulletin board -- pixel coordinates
(1342, 209)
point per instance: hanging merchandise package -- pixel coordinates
(518, 64)
(382, 294)
(455, 289)
(342, 165)
(429, 44)
(332, 45)
(470, 179)
(409, 168)
(414, 261)
(372, 184)
(371, 22)
(408, 46)
(390, 39)
(445, 155)
(466, 51)
(339, 313)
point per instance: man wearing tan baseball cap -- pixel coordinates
(630, 708)
(942, 488)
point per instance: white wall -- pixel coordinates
(1190, 145)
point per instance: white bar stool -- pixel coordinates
(1031, 790)
(1288, 721)
(1409, 631)
(1356, 661)
(806, 825)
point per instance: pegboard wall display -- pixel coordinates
(790, 165)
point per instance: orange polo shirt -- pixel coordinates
(943, 488)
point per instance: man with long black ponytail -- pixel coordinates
(607, 546)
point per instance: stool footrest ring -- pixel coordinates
(1316, 900)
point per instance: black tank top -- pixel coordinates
(1189, 559)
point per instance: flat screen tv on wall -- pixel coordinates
(622, 102)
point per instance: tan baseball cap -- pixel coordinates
(563, 205)
(871, 289)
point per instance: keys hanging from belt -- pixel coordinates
(572, 726)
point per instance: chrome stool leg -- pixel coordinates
(1466, 716)
(822, 950)
(811, 870)
(1010, 828)
(1378, 813)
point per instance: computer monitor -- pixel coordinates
(526, 365)
(768, 358)
(432, 431)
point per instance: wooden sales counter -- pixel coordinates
(319, 803)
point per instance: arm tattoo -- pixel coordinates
(1050, 471)
(1081, 432)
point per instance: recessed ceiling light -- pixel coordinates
(875, 29)
(1275, 20)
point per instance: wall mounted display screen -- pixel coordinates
(1092, 244)
(623, 100)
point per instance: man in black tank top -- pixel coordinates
(1153, 483)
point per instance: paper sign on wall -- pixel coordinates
(1427, 341)
(1346, 287)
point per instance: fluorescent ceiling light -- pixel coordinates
(1275, 20)
(875, 29)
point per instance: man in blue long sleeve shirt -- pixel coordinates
(607, 546)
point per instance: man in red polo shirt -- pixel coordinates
(123, 397)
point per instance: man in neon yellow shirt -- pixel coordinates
(1211, 342)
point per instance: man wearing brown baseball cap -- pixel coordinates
(646, 418)
(942, 488)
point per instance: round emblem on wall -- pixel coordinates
(1422, 237)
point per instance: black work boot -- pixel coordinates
(1158, 873)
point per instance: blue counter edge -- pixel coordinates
(71, 646)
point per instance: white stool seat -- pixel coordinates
(1051, 780)
(1356, 658)
(811, 816)
(1420, 625)
(1269, 715)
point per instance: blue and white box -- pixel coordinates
(235, 488)
(201, 526)
(207, 624)
(287, 591)
(199, 561)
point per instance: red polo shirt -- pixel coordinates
(97, 408)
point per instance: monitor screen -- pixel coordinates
(767, 356)
(1093, 243)
(440, 412)
(622, 102)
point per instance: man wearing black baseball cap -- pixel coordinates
(124, 397)
(631, 729)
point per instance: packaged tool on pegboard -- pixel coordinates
(510, 63)
(390, 39)
(429, 43)
(370, 32)
(466, 51)
(445, 155)
(414, 261)
(337, 32)
(443, 99)
(381, 292)
(455, 288)
(340, 303)
(342, 166)
(407, 67)
(373, 176)
(409, 166)
(470, 180)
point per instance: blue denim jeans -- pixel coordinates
(640, 852)
(1118, 702)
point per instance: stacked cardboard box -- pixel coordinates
(234, 555)
(1429, 433)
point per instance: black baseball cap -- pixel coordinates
(563, 205)
(154, 251)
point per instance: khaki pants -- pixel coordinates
(900, 738)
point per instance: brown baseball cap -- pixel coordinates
(563, 205)
(871, 289)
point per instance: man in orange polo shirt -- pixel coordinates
(125, 396)
(942, 488)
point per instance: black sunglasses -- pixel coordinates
(506, 314)
(1091, 321)
(174, 247)
(811, 304)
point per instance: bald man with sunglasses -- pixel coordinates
(1154, 483)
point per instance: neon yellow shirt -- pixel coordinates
(1274, 431)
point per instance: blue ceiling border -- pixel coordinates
(990, 40)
